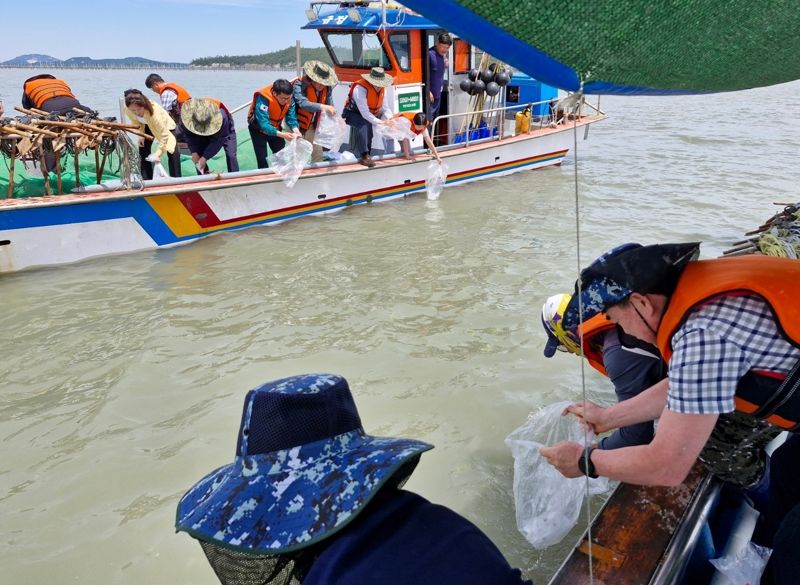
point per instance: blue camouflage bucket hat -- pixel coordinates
(626, 269)
(304, 469)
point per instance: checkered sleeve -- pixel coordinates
(703, 372)
(168, 99)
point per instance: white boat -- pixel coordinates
(109, 219)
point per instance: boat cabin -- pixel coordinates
(362, 35)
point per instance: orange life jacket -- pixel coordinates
(183, 95)
(374, 96)
(41, 90)
(777, 281)
(221, 106)
(592, 350)
(304, 117)
(410, 117)
(277, 112)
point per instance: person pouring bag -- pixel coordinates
(313, 93)
(208, 128)
(270, 107)
(312, 499)
(366, 107)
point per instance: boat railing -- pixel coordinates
(491, 122)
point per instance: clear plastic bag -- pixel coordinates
(547, 503)
(331, 132)
(746, 566)
(289, 162)
(159, 172)
(394, 129)
(437, 177)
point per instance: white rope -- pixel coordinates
(579, 94)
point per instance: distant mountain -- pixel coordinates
(283, 59)
(27, 60)
(85, 62)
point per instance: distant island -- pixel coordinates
(282, 60)
(36, 61)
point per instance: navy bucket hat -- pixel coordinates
(626, 269)
(304, 469)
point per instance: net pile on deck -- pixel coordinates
(56, 143)
(778, 236)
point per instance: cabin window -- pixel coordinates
(401, 46)
(461, 53)
(358, 50)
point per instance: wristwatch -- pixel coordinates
(585, 464)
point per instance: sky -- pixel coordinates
(162, 30)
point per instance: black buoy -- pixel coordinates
(492, 89)
(465, 85)
(502, 78)
(473, 74)
(487, 76)
(478, 86)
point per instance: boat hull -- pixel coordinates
(69, 228)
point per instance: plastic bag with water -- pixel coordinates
(437, 177)
(547, 503)
(289, 162)
(331, 132)
(746, 566)
(159, 172)
(394, 129)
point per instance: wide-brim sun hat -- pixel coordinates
(304, 469)
(201, 116)
(558, 338)
(378, 77)
(321, 73)
(626, 269)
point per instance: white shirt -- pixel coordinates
(360, 98)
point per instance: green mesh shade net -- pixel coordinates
(626, 47)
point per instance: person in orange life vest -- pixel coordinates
(153, 120)
(45, 92)
(208, 128)
(312, 94)
(729, 329)
(366, 107)
(419, 125)
(2, 109)
(271, 106)
(172, 95)
(629, 363)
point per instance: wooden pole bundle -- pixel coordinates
(85, 133)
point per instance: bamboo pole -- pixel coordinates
(10, 194)
(59, 180)
(97, 171)
(77, 167)
(45, 172)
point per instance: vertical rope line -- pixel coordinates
(583, 349)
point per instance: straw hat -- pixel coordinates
(321, 73)
(201, 116)
(377, 77)
(304, 469)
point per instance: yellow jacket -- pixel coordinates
(160, 124)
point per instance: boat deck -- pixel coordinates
(221, 181)
(631, 534)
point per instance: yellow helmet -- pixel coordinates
(558, 338)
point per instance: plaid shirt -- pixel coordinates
(168, 99)
(717, 344)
